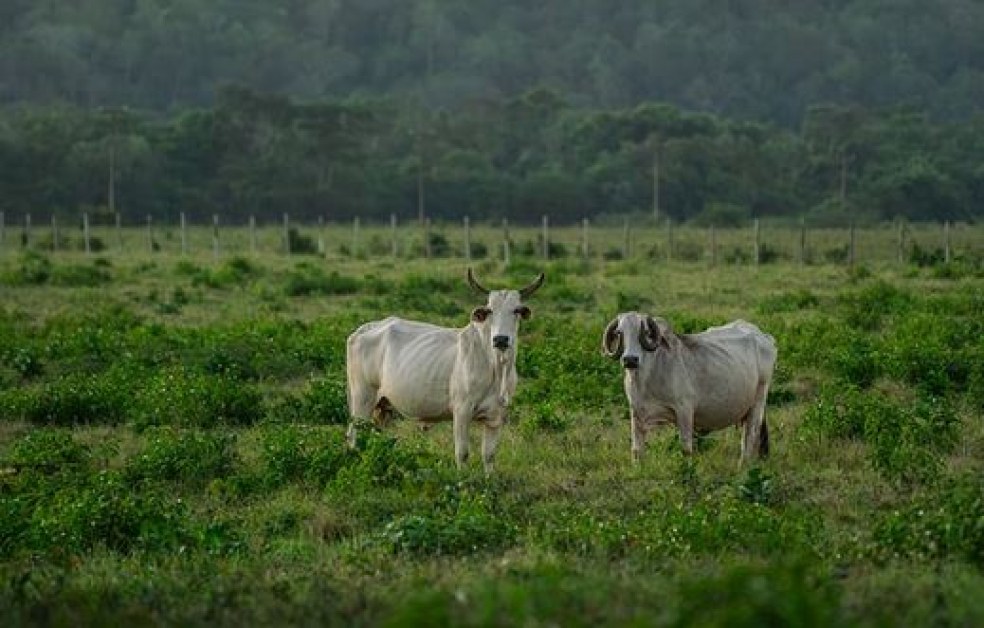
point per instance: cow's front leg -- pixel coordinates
(638, 438)
(490, 442)
(461, 422)
(685, 423)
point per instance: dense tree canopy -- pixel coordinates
(751, 59)
(259, 154)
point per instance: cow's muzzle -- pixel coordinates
(630, 361)
(500, 342)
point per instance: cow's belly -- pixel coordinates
(717, 414)
(426, 401)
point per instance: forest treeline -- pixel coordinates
(519, 158)
(749, 59)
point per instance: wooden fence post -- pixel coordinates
(669, 239)
(467, 238)
(215, 236)
(286, 234)
(757, 247)
(252, 234)
(505, 242)
(584, 237)
(321, 236)
(946, 241)
(546, 237)
(355, 236)
(713, 247)
(425, 225)
(850, 248)
(393, 248)
(85, 233)
(802, 242)
(184, 232)
(626, 242)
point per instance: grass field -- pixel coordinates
(171, 448)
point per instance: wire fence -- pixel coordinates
(756, 243)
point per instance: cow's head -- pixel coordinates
(503, 311)
(629, 336)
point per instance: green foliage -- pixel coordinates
(301, 244)
(104, 511)
(463, 520)
(758, 487)
(47, 449)
(34, 269)
(303, 454)
(191, 457)
(307, 279)
(946, 521)
(714, 522)
(73, 399)
(784, 594)
(323, 401)
(543, 417)
(179, 397)
(905, 441)
(801, 299)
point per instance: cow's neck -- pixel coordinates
(500, 366)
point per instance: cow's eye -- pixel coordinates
(523, 312)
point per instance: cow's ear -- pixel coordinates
(479, 314)
(524, 312)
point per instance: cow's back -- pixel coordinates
(741, 342)
(407, 362)
(729, 364)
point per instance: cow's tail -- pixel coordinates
(764, 439)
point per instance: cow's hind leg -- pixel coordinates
(756, 437)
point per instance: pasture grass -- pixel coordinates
(171, 451)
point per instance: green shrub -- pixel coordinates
(179, 397)
(184, 456)
(947, 521)
(543, 417)
(461, 521)
(47, 449)
(78, 275)
(840, 411)
(934, 353)
(306, 280)
(75, 399)
(310, 454)
(796, 300)
(104, 511)
(784, 594)
(905, 441)
(324, 401)
(301, 244)
(34, 268)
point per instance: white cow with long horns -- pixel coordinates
(699, 382)
(434, 373)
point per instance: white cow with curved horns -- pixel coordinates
(434, 373)
(699, 382)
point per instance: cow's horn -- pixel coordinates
(533, 287)
(474, 283)
(611, 342)
(649, 338)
